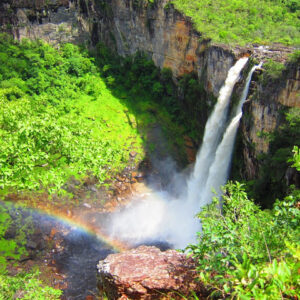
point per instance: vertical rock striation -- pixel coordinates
(168, 38)
(128, 26)
(53, 21)
(263, 114)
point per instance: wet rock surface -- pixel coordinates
(76, 259)
(148, 273)
(66, 255)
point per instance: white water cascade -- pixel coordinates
(159, 215)
(214, 129)
(218, 171)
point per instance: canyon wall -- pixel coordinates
(263, 114)
(126, 25)
(170, 41)
(54, 21)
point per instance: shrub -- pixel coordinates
(13, 246)
(57, 118)
(271, 182)
(246, 252)
(26, 286)
(273, 69)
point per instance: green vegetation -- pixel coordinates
(274, 70)
(14, 230)
(26, 286)
(58, 118)
(248, 253)
(195, 100)
(245, 22)
(13, 247)
(276, 173)
(177, 109)
(137, 76)
(149, 93)
(64, 115)
(294, 57)
(245, 252)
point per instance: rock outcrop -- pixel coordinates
(148, 273)
(53, 21)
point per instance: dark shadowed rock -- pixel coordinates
(148, 273)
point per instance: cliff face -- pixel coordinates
(263, 114)
(128, 26)
(169, 39)
(54, 21)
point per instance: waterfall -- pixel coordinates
(214, 129)
(218, 171)
(169, 217)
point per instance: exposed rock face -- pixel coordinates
(128, 26)
(148, 273)
(168, 38)
(289, 94)
(53, 21)
(263, 114)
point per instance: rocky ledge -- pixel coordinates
(148, 273)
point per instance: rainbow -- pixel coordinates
(76, 221)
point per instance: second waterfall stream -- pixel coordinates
(162, 217)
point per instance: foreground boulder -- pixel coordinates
(148, 273)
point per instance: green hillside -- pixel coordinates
(243, 22)
(59, 119)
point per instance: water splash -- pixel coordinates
(163, 217)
